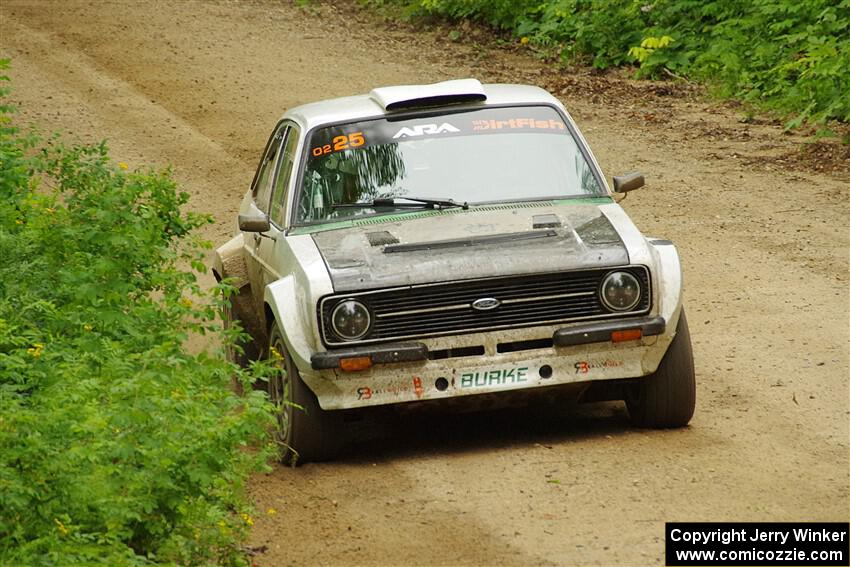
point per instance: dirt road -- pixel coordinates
(763, 236)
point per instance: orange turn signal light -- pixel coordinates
(355, 364)
(627, 335)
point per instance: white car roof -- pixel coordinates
(374, 105)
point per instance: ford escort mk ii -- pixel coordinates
(442, 241)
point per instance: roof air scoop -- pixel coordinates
(437, 94)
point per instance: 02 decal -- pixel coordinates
(339, 143)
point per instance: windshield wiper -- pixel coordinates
(418, 203)
(432, 203)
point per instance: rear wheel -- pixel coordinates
(306, 432)
(667, 397)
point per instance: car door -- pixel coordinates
(261, 190)
(272, 252)
(269, 250)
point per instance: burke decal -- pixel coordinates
(494, 377)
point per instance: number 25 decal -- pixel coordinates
(344, 142)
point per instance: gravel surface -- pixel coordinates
(762, 228)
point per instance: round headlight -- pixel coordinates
(620, 291)
(350, 319)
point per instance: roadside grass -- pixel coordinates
(117, 445)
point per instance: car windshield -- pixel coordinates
(479, 156)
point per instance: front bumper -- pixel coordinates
(405, 372)
(567, 336)
(378, 354)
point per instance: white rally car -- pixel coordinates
(454, 240)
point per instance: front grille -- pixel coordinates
(446, 308)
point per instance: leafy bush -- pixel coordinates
(117, 446)
(791, 56)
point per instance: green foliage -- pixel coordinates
(649, 53)
(117, 446)
(791, 56)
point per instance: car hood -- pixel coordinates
(454, 244)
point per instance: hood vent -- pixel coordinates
(545, 221)
(381, 238)
(472, 241)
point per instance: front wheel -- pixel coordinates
(247, 349)
(666, 398)
(306, 432)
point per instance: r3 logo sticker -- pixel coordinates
(585, 366)
(494, 377)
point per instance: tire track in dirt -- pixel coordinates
(124, 108)
(106, 106)
(200, 85)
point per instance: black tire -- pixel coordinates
(244, 351)
(306, 432)
(667, 397)
(250, 350)
(234, 355)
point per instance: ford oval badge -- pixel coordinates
(486, 304)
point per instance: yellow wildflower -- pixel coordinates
(276, 354)
(186, 302)
(35, 350)
(524, 40)
(19, 221)
(247, 519)
(271, 511)
(87, 328)
(123, 165)
(62, 529)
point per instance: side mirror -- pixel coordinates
(628, 182)
(258, 222)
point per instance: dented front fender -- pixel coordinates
(229, 262)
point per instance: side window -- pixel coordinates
(281, 184)
(261, 189)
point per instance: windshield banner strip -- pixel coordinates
(529, 119)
